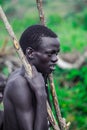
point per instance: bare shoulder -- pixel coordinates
(17, 88)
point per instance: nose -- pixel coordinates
(54, 58)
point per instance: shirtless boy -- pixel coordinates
(25, 98)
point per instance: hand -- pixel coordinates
(36, 83)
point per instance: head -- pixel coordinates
(41, 46)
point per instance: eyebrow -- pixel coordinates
(49, 51)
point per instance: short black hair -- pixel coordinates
(31, 37)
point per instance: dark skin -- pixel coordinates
(25, 97)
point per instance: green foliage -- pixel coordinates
(1, 2)
(71, 89)
(80, 19)
(54, 19)
(1, 106)
(5, 71)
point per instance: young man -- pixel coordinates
(24, 97)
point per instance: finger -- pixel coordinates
(27, 77)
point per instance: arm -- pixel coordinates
(38, 86)
(20, 97)
(41, 113)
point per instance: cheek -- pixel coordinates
(45, 59)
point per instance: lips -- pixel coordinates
(52, 67)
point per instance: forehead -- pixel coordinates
(49, 43)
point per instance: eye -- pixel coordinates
(57, 53)
(49, 54)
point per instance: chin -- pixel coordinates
(48, 72)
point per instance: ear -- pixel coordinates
(30, 52)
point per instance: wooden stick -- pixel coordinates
(23, 59)
(51, 118)
(42, 20)
(15, 42)
(61, 121)
(40, 10)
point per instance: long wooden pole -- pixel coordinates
(61, 121)
(42, 20)
(41, 13)
(24, 60)
(15, 42)
(56, 104)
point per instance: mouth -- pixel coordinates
(52, 67)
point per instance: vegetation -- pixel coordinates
(69, 20)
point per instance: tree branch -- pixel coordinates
(76, 64)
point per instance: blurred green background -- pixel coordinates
(68, 18)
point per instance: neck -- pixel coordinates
(45, 78)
